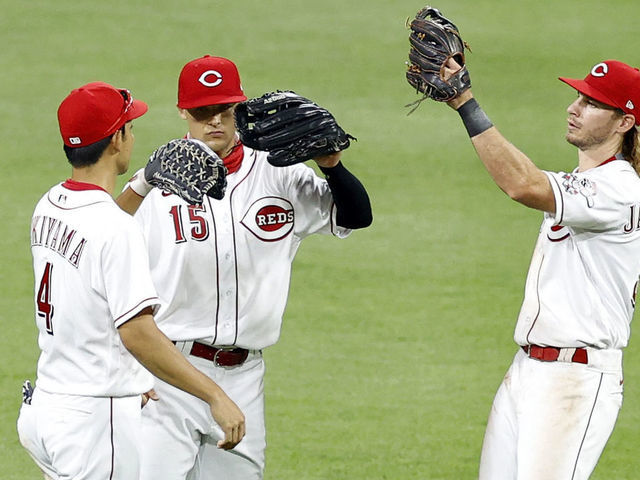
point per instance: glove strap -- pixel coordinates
(139, 184)
(474, 118)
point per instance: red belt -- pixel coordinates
(551, 354)
(222, 357)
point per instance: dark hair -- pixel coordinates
(90, 154)
(631, 147)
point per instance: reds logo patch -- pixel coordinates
(269, 218)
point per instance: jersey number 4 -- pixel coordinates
(43, 299)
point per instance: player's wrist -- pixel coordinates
(474, 118)
(328, 161)
(214, 394)
(139, 184)
(460, 100)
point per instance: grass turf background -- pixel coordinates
(395, 340)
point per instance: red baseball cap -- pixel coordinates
(95, 111)
(613, 83)
(209, 81)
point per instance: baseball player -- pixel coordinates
(559, 401)
(94, 300)
(222, 270)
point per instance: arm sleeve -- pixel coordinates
(353, 207)
(128, 285)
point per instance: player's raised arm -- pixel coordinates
(511, 169)
(437, 69)
(353, 206)
(134, 192)
(129, 200)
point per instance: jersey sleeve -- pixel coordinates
(588, 199)
(127, 280)
(315, 210)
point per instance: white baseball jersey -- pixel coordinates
(581, 285)
(222, 270)
(91, 276)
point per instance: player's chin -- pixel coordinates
(572, 139)
(218, 144)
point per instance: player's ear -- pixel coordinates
(118, 138)
(183, 113)
(627, 122)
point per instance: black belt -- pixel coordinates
(551, 354)
(221, 356)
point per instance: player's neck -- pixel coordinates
(101, 174)
(594, 156)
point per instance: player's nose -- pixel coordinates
(573, 108)
(214, 119)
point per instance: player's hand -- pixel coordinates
(450, 69)
(150, 395)
(231, 420)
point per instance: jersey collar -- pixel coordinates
(81, 186)
(617, 156)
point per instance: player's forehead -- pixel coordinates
(597, 103)
(213, 109)
(205, 112)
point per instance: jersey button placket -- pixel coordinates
(227, 270)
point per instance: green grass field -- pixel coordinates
(395, 340)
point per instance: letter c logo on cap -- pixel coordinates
(207, 83)
(600, 70)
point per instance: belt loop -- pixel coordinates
(566, 355)
(184, 347)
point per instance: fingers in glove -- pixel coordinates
(451, 67)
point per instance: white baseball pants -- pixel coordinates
(551, 420)
(82, 438)
(181, 435)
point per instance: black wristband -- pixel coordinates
(474, 118)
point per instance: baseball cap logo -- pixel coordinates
(210, 78)
(630, 105)
(75, 140)
(600, 70)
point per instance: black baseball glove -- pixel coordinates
(187, 168)
(434, 40)
(291, 128)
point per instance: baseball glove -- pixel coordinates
(434, 40)
(187, 168)
(291, 128)
(27, 392)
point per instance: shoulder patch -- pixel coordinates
(574, 185)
